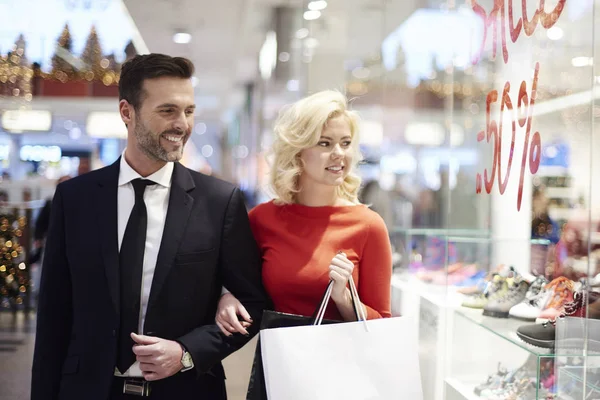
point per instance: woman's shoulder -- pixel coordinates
(263, 210)
(370, 217)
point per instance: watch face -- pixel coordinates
(186, 360)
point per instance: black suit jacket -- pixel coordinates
(207, 243)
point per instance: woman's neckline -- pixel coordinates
(321, 211)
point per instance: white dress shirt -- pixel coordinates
(156, 198)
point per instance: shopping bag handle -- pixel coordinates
(359, 311)
(320, 310)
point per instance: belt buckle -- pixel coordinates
(136, 387)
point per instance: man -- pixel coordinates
(136, 256)
(43, 220)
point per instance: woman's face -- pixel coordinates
(329, 162)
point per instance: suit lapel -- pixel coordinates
(107, 220)
(180, 206)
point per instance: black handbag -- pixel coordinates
(273, 319)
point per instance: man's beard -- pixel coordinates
(149, 144)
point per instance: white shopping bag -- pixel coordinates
(372, 360)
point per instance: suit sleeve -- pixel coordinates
(54, 319)
(240, 267)
(375, 271)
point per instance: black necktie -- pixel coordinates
(131, 265)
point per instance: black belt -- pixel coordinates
(135, 386)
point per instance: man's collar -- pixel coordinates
(161, 177)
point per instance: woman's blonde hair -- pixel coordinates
(299, 127)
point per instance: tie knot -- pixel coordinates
(139, 185)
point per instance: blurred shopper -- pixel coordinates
(136, 255)
(43, 220)
(39, 237)
(316, 230)
(378, 200)
(85, 166)
(542, 226)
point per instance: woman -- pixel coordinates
(316, 230)
(542, 226)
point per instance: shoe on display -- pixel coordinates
(561, 293)
(479, 301)
(513, 293)
(456, 275)
(478, 286)
(474, 286)
(493, 381)
(539, 335)
(438, 275)
(476, 281)
(579, 335)
(535, 301)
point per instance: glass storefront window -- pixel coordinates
(479, 142)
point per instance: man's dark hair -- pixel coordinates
(149, 66)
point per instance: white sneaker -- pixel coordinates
(529, 310)
(535, 301)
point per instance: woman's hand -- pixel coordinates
(340, 271)
(227, 316)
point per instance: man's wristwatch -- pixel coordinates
(186, 360)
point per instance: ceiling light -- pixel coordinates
(317, 5)
(457, 135)
(293, 85)
(200, 128)
(207, 150)
(267, 57)
(18, 121)
(284, 56)
(311, 15)
(182, 38)
(424, 134)
(311, 43)
(75, 133)
(302, 33)
(555, 33)
(371, 133)
(40, 153)
(106, 125)
(582, 61)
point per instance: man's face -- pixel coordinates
(164, 120)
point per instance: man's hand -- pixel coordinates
(159, 358)
(227, 316)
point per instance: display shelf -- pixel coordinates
(436, 294)
(576, 382)
(459, 389)
(505, 328)
(578, 375)
(430, 305)
(441, 232)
